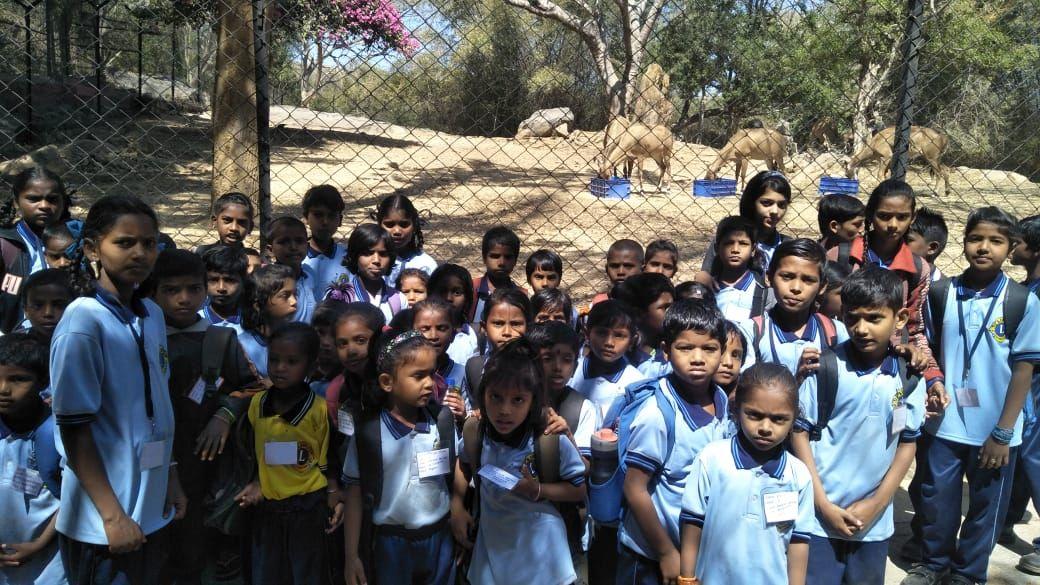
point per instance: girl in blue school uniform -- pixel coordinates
(764, 203)
(602, 375)
(453, 284)
(747, 509)
(398, 216)
(370, 254)
(432, 318)
(520, 535)
(271, 302)
(735, 275)
(792, 333)
(109, 371)
(648, 295)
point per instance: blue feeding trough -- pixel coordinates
(839, 186)
(612, 188)
(714, 187)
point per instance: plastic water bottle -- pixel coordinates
(604, 455)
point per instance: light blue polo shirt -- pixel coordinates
(858, 446)
(464, 346)
(783, 347)
(736, 301)
(726, 496)
(602, 391)
(305, 300)
(648, 448)
(97, 380)
(326, 268)
(420, 260)
(991, 362)
(406, 501)
(26, 510)
(1032, 406)
(255, 347)
(234, 322)
(520, 541)
(33, 247)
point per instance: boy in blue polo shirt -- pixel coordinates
(859, 454)
(500, 249)
(288, 245)
(694, 338)
(226, 272)
(979, 434)
(323, 213)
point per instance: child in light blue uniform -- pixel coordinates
(398, 216)
(432, 318)
(603, 375)
(764, 203)
(369, 257)
(728, 373)
(694, 339)
(981, 430)
(453, 284)
(226, 274)
(748, 506)
(735, 273)
(791, 334)
(109, 367)
(521, 537)
(288, 246)
(273, 302)
(859, 456)
(323, 213)
(648, 295)
(30, 469)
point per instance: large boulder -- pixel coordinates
(546, 123)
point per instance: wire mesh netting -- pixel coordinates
(490, 112)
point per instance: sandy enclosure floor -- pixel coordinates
(464, 185)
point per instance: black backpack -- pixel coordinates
(1014, 311)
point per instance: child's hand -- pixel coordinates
(670, 567)
(454, 403)
(13, 555)
(176, 500)
(212, 439)
(993, 455)
(914, 356)
(528, 487)
(556, 424)
(354, 571)
(123, 534)
(937, 400)
(250, 495)
(336, 517)
(866, 510)
(839, 519)
(808, 363)
(462, 526)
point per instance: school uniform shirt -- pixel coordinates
(306, 424)
(520, 541)
(763, 251)
(350, 289)
(782, 347)
(326, 267)
(991, 362)
(464, 346)
(1032, 406)
(26, 508)
(234, 321)
(33, 247)
(255, 347)
(727, 496)
(648, 451)
(858, 445)
(306, 302)
(736, 301)
(602, 391)
(655, 366)
(482, 290)
(97, 379)
(420, 260)
(407, 500)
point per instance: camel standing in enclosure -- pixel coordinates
(924, 143)
(751, 143)
(624, 141)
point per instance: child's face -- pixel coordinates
(54, 252)
(986, 248)
(323, 222)
(796, 283)
(661, 262)
(44, 306)
(180, 299)
(732, 358)
(289, 245)
(1022, 254)
(870, 328)
(609, 344)
(504, 323)
(128, 251)
(374, 262)
(507, 408)
(412, 384)
(282, 304)
(917, 244)
(830, 302)
(695, 357)
(19, 391)
(454, 292)
(40, 204)
(849, 229)
(224, 290)
(550, 314)
(891, 221)
(287, 365)
(414, 289)
(233, 224)
(558, 364)
(655, 313)
(771, 208)
(327, 350)
(621, 264)
(436, 328)
(735, 250)
(500, 261)
(252, 263)
(766, 417)
(540, 279)
(352, 338)
(400, 227)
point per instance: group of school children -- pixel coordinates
(326, 413)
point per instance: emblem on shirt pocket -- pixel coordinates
(998, 331)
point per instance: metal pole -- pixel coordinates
(198, 65)
(263, 116)
(140, 60)
(97, 59)
(27, 132)
(908, 91)
(173, 68)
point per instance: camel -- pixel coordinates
(751, 143)
(924, 143)
(625, 141)
(652, 106)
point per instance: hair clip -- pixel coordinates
(395, 343)
(772, 174)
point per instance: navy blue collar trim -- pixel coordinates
(612, 376)
(695, 416)
(214, 318)
(743, 460)
(992, 289)
(111, 302)
(399, 430)
(742, 283)
(295, 413)
(330, 254)
(808, 334)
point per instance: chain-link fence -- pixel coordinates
(176, 100)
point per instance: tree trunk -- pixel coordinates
(235, 159)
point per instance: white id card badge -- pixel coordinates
(432, 463)
(27, 481)
(280, 453)
(967, 397)
(345, 422)
(898, 420)
(153, 454)
(198, 391)
(499, 477)
(780, 507)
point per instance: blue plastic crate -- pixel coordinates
(838, 186)
(612, 188)
(714, 187)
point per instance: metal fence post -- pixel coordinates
(263, 116)
(908, 90)
(26, 135)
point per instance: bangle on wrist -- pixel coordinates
(538, 497)
(1002, 436)
(687, 580)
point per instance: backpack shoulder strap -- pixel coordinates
(758, 326)
(48, 462)
(395, 303)
(215, 345)
(370, 459)
(474, 373)
(830, 331)
(446, 433)
(908, 377)
(668, 412)
(1014, 308)
(826, 391)
(758, 299)
(844, 253)
(473, 442)
(570, 408)
(918, 270)
(937, 293)
(547, 458)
